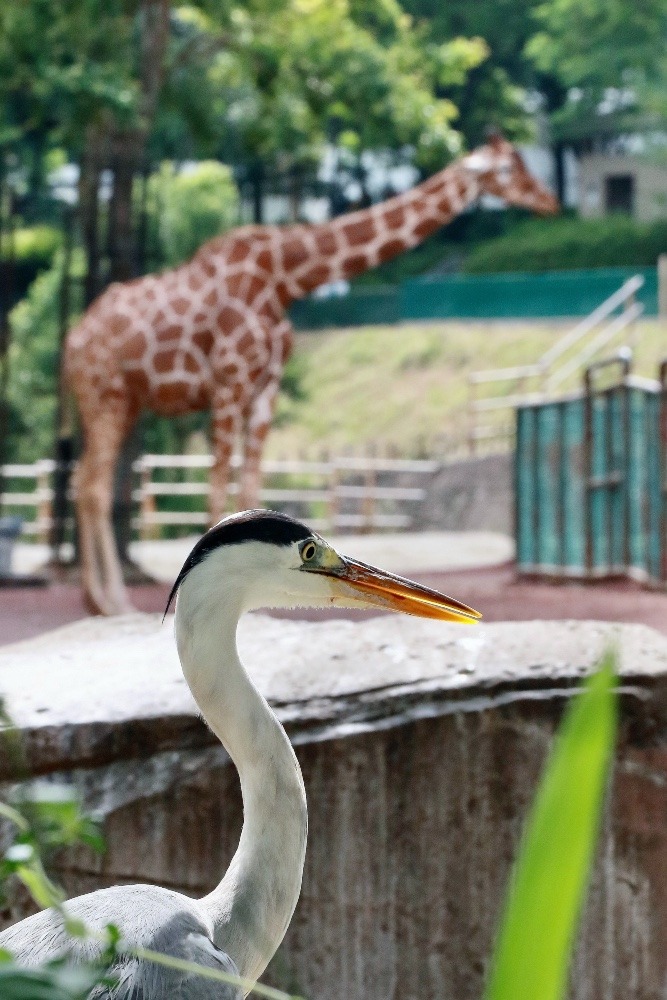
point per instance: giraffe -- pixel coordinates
(213, 333)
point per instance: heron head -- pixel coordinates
(262, 558)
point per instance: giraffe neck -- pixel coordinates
(356, 242)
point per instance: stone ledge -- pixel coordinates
(105, 690)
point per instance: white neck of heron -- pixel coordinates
(252, 906)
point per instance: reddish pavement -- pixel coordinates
(496, 592)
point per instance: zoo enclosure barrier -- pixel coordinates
(491, 416)
(489, 296)
(591, 478)
(354, 493)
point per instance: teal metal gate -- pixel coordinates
(591, 478)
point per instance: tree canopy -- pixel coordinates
(271, 81)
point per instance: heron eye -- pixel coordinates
(308, 551)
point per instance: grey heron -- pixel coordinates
(254, 559)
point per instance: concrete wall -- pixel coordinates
(474, 494)
(411, 835)
(417, 793)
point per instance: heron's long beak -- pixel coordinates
(376, 588)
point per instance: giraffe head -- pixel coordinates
(500, 171)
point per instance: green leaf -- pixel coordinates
(55, 982)
(40, 887)
(551, 873)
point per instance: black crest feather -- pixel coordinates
(249, 526)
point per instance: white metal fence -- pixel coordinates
(334, 493)
(490, 416)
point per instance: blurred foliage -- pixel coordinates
(267, 82)
(63, 63)
(29, 250)
(610, 63)
(46, 817)
(36, 244)
(56, 981)
(570, 243)
(494, 92)
(33, 368)
(332, 80)
(191, 206)
(552, 870)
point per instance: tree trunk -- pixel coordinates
(256, 179)
(64, 446)
(127, 157)
(7, 255)
(89, 214)
(559, 160)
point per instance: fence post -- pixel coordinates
(472, 426)
(333, 501)
(662, 284)
(44, 502)
(148, 530)
(368, 502)
(663, 469)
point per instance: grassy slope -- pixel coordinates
(406, 386)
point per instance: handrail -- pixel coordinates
(605, 309)
(603, 338)
(505, 374)
(591, 334)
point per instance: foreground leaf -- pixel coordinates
(551, 873)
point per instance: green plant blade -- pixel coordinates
(551, 872)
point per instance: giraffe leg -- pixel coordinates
(226, 425)
(101, 573)
(258, 425)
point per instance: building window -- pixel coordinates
(619, 191)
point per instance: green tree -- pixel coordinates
(610, 62)
(191, 206)
(494, 92)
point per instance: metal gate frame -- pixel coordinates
(591, 478)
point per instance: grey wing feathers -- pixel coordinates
(149, 917)
(141, 980)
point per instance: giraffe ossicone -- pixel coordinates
(213, 333)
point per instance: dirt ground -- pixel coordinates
(496, 592)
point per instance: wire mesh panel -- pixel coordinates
(590, 479)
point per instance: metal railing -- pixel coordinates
(334, 493)
(536, 382)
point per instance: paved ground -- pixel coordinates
(449, 562)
